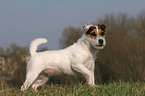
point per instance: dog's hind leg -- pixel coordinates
(39, 81)
(44, 76)
(31, 76)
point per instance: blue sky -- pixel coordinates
(24, 20)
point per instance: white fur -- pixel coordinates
(79, 57)
(35, 43)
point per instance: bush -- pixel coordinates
(13, 68)
(123, 57)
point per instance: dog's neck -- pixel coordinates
(86, 44)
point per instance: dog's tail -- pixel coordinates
(35, 43)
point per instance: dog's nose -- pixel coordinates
(101, 41)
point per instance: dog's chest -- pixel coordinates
(88, 63)
(83, 56)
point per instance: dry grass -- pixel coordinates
(120, 88)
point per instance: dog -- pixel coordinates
(79, 57)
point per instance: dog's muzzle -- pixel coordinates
(98, 43)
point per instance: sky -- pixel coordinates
(22, 21)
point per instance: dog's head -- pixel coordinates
(96, 35)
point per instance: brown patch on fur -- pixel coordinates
(90, 36)
(102, 33)
(102, 27)
(94, 31)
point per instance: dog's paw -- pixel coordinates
(97, 86)
(94, 85)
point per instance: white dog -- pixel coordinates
(79, 57)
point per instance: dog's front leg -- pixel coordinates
(87, 73)
(92, 70)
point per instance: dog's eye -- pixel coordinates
(93, 34)
(102, 33)
(99, 27)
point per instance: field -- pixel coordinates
(120, 88)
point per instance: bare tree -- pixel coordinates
(70, 35)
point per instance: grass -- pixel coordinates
(120, 88)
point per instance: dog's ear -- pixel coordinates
(102, 27)
(86, 27)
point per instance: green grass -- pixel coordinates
(111, 89)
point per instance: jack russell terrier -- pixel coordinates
(79, 57)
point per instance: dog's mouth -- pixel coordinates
(100, 46)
